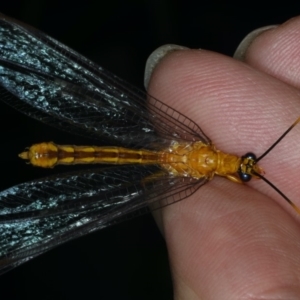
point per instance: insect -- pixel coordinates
(155, 155)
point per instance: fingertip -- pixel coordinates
(242, 48)
(155, 57)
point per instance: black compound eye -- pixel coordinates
(245, 177)
(250, 155)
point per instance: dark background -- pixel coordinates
(127, 261)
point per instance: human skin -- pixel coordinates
(229, 240)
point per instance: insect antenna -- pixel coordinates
(279, 140)
(295, 207)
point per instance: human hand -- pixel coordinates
(231, 241)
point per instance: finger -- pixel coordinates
(226, 224)
(276, 52)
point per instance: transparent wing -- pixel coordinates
(37, 216)
(53, 84)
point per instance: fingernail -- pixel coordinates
(155, 57)
(241, 50)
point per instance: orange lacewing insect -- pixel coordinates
(156, 156)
